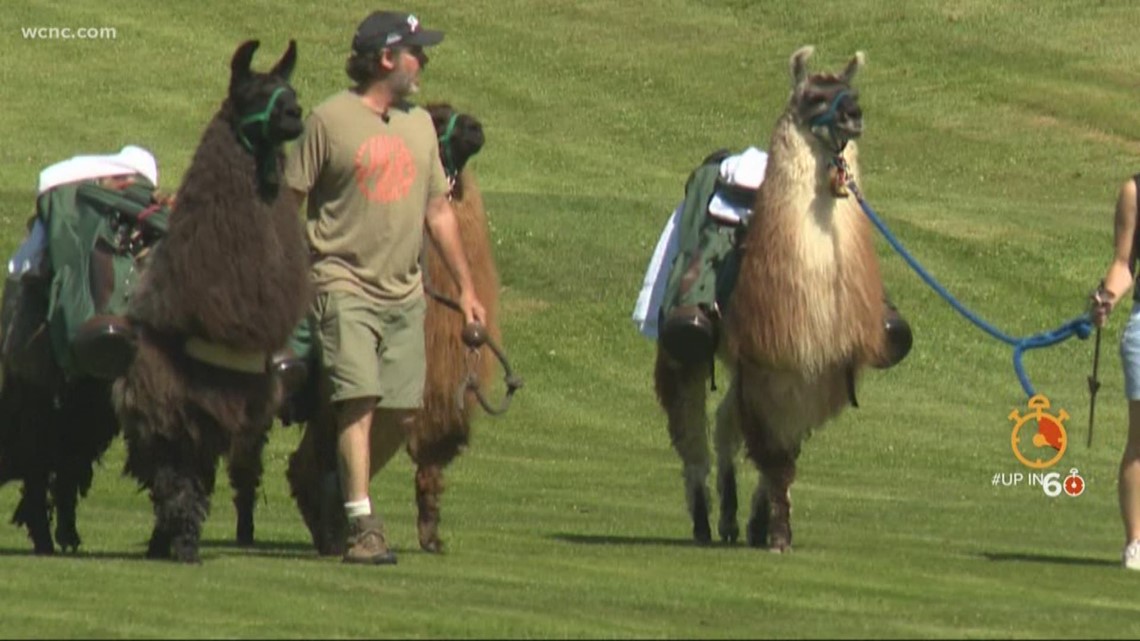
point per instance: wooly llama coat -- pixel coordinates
(50, 440)
(443, 428)
(222, 293)
(806, 315)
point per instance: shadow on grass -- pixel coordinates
(1047, 558)
(79, 556)
(210, 549)
(598, 539)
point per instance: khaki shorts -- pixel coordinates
(368, 350)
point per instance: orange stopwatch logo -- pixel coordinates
(1048, 443)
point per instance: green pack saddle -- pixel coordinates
(66, 302)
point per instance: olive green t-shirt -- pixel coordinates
(368, 183)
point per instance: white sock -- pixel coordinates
(363, 507)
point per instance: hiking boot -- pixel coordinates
(366, 543)
(1130, 559)
(899, 336)
(687, 335)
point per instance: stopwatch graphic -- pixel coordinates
(1050, 440)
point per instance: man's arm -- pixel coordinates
(444, 232)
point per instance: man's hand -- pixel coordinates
(472, 309)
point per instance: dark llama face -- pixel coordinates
(827, 103)
(460, 136)
(265, 105)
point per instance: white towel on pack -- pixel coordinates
(129, 160)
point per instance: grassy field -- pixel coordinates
(997, 136)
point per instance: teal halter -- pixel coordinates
(262, 117)
(444, 139)
(827, 119)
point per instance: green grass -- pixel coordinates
(997, 135)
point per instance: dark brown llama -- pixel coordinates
(443, 428)
(221, 294)
(57, 422)
(806, 315)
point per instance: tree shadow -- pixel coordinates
(1047, 558)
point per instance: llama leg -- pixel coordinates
(681, 392)
(181, 503)
(65, 496)
(34, 513)
(315, 486)
(770, 523)
(779, 472)
(728, 441)
(245, 469)
(429, 488)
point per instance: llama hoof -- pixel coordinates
(244, 534)
(186, 552)
(67, 539)
(729, 531)
(429, 537)
(757, 533)
(702, 533)
(44, 550)
(159, 547)
(433, 546)
(780, 535)
(781, 542)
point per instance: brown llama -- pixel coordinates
(443, 428)
(805, 317)
(222, 293)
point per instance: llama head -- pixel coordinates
(460, 136)
(825, 103)
(265, 107)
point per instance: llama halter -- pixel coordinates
(259, 117)
(826, 122)
(449, 160)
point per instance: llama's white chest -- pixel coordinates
(817, 280)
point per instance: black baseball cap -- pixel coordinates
(392, 29)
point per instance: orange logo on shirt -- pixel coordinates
(384, 168)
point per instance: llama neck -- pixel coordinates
(222, 162)
(801, 243)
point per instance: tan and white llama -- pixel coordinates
(806, 314)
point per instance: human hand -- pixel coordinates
(1101, 303)
(472, 309)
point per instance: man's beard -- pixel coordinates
(403, 84)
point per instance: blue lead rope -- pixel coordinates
(1081, 326)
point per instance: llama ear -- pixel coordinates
(239, 67)
(853, 66)
(284, 67)
(798, 64)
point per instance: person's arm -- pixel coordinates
(1118, 279)
(443, 230)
